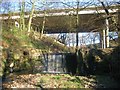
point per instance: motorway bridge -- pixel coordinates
(64, 20)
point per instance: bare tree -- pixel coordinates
(31, 15)
(77, 24)
(22, 14)
(43, 25)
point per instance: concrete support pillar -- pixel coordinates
(104, 40)
(101, 38)
(107, 34)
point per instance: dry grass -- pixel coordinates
(57, 81)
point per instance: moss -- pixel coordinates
(2, 66)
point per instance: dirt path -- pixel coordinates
(57, 81)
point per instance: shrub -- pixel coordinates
(115, 63)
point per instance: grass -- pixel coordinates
(17, 41)
(67, 81)
(60, 81)
(17, 38)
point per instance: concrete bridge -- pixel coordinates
(64, 20)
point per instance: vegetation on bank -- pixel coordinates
(23, 50)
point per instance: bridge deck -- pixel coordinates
(65, 21)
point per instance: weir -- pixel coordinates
(59, 63)
(54, 63)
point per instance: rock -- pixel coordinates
(16, 56)
(86, 86)
(11, 65)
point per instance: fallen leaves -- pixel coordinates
(51, 81)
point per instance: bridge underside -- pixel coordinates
(67, 23)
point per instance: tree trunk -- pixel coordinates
(22, 20)
(43, 26)
(77, 24)
(31, 16)
(77, 53)
(119, 24)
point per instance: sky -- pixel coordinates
(52, 4)
(63, 0)
(84, 38)
(55, 0)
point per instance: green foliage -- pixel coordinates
(2, 66)
(39, 45)
(60, 81)
(19, 41)
(57, 77)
